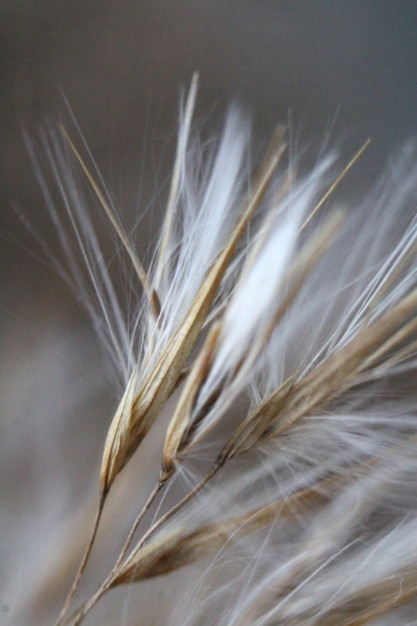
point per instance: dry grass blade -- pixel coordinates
(155, 309)
(181, 547)
(253, 428)
(123, 409)
(357, 609)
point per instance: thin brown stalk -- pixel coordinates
(79, 615)
(160, 484)
(180, 548)
(84, 559)
(108, 583)
(173, 510)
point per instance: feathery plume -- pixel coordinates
(285, 326)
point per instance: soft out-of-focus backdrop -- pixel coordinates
(349, 66)
(345, 67)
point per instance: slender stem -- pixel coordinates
(85, 558)
(112, 577)
(167, 516)
(83, 610)
(136, 523)
(79, 615)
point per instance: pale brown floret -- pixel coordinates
(179, 425)
(296, 399)
(129, 427)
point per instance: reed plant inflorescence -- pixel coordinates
(280, 332)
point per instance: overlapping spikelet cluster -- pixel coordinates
(287, 331)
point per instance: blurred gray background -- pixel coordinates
(344, 66)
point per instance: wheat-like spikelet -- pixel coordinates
(282, 329)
